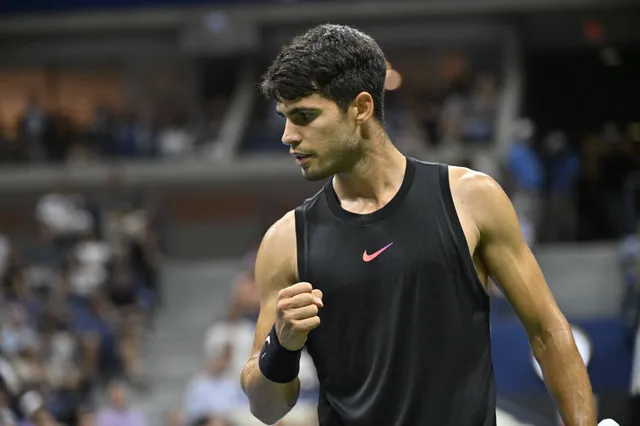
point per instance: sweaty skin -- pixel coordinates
(275, 270)
(367, 171)
(497, 248)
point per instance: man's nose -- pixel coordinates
(290, 135)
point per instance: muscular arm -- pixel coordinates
(509, 260)
(275, 270)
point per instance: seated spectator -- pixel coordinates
(174, 140)
(238, 327)
(61, 357)
(119, 411)
(478, 125)
(65, 214)
(94, 324)
(213, 393)
(123, 294)
(86, 418)
(228, 345)
(17, 335)
(174, 418)
(526, 172)
(29, 368)
(88, 261)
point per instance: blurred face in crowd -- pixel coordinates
(118, 396)
(246, 295)
(43, 418)
(174, 419)
(86, 419)
(18, 317)
(324, 139)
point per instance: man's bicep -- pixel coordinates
(274, 271)
(266, 319)
(512, 264)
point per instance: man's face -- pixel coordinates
(323, 138)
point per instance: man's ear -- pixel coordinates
(363, 107)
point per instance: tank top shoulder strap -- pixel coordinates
(302, 217)
(302, 242)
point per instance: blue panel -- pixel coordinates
(609, 369)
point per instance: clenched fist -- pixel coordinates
(297, 314)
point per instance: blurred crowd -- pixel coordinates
(213, 396)
(45, 135)
(421, 112)
(462, 112)
(566, 190)
(77, 299)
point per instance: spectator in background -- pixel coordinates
(33, 131)
(616, 165)
(17, 335)
(469, 114)
(88, 263)
(119, 411)
(93, 322)
(526, 172)
(235, 332)
(29, 368)
(480, 114)
(62, 136)
(145, 258)
(135, 135)
(102, 132)
(65, 214)
(174, 139)
(123, 294)
(215, 392)
(62, 360)
(452, 114)
(86, 418)
(174, 418)
(562, 170)
(7, 417)
(228, 345)
(10, 149)
(126, 136)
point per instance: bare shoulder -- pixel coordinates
(472, 186)
(276, 262)
(480, 197)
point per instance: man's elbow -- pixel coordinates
(266, 416)
(264, 408)
(554, 335)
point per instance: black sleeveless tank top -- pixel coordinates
(404, 334)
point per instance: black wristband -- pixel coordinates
(277, 363)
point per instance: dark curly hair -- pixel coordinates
(335, 61)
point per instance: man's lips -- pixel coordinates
(300, 157)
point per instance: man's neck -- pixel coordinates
(374, 180)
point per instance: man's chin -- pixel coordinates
(312, 176)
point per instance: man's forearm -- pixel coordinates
(269, 401)
(565, 376)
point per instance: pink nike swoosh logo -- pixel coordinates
(369, 257)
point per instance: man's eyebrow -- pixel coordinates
(296, 110)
